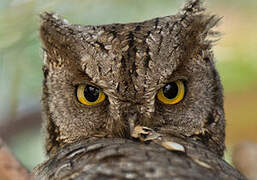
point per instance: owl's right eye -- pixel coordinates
(89, 95)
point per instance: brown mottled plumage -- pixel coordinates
(130, 63)
(106, 159)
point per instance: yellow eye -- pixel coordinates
(90, 95)
(172, 93)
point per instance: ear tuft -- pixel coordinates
(52, 27)
(193, 6)
(52, 18)
(58, 37)
(199, 24)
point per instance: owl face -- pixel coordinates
(101, 81)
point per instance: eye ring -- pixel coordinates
(172, 93)
(89, 95)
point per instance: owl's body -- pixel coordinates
(102, 81)
(106, 159)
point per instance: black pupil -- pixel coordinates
(170, 90)
(91, 93)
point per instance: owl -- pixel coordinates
(133, 101)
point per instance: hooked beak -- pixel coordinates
(131, 120)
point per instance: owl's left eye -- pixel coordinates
(89, 95)
(172, 93)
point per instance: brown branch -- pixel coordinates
(244, 157)
(26, 120)
(10, 167)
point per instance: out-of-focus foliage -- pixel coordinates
(20, 55)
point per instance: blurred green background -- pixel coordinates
(20, 61)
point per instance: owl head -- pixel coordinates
(101, 81)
